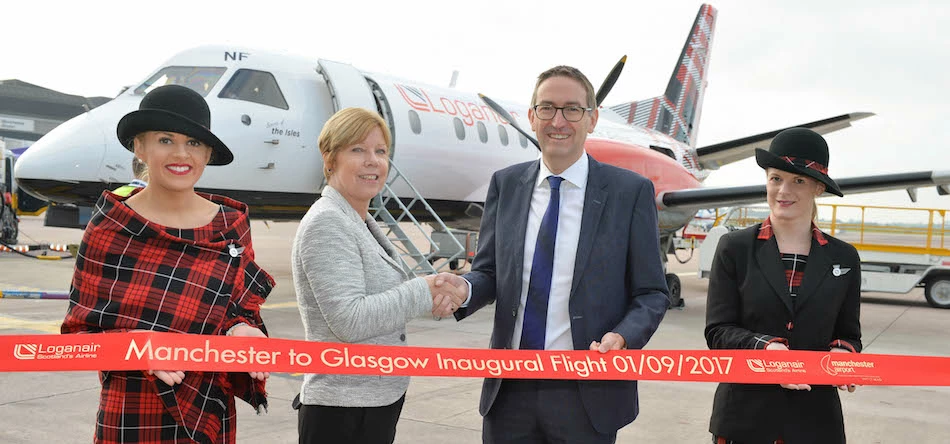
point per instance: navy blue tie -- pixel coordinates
(542, 266)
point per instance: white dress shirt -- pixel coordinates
(558, 333)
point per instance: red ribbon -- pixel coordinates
(168, 351)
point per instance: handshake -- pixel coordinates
(448, 291)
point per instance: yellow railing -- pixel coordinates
(871, 227)
(888, 229)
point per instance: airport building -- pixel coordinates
(28, 111)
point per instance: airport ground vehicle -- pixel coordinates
(443, 248)
(9, 223)
(900, 248)
(14, 201)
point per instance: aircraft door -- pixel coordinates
(348, 86)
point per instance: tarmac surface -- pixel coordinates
(61, 407)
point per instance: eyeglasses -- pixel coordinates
(571, 113)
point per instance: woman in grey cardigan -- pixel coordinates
(350, 287)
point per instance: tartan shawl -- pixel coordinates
(134, 274)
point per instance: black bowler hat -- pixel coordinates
(176, 109)
(800, 151)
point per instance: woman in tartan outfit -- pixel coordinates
(173, 260)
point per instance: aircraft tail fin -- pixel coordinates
(677, 111)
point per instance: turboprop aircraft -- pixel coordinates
(269, 109)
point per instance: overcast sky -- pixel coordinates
(773, 64)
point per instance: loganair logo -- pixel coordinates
(68, 351)
(835, 367)
(771, 366)
(25, 351)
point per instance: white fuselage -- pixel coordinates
(446, 142)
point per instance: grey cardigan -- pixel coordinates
(350, 288)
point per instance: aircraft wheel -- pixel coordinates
(937, 292)
(454, 265)
(9, 228)
(676, 290)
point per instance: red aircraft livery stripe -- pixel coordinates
(168, 351)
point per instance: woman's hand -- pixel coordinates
(168, 377)
(448, 292)
(251, 332)
(781, 346)
(851, 387)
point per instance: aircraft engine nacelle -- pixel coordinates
(665, 172)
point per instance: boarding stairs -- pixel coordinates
(400, 218)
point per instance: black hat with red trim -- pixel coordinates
(800, 151)
(176, 109)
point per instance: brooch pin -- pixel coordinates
(836, 270)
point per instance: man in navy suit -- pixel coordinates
(569, 253)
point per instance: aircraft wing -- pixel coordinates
(715, 156)
(700, 198)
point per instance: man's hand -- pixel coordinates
(251, 332)
(448, 291)
(851, 387)
(610, 341)
(781, 346)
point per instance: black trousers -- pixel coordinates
(540, 412)
(320, 424)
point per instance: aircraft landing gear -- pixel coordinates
(672, 280)
(676, 291)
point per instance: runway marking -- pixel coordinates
(8, 323)
(279, 305)
(691, 273)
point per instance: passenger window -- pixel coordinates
(199, 78)
(482, 132)
(503, 135)
(459, 128)
(414, 122)
(522, 140)
(254, 86)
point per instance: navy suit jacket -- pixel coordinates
(619, 284)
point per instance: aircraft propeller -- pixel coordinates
(610, 80)
(504, 115)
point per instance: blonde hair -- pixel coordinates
(139, 169)
(347, 127)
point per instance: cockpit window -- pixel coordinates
(254, 86)
(198, 78)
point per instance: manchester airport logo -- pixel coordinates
(773, 366)
(834, 367)
(34, 351)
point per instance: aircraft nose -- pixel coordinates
(64, 161)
